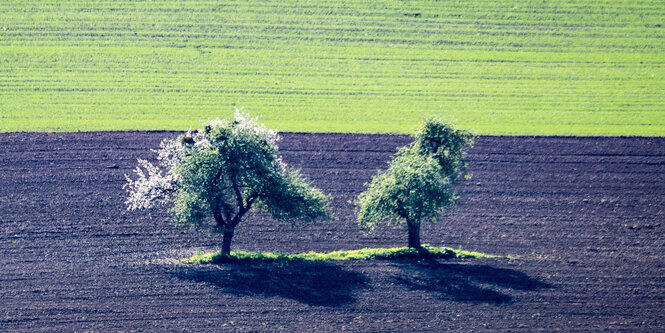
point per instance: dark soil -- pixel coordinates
(581, 219)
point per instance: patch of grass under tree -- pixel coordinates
(394, 253)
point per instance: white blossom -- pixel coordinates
(151, 187)
(155, 184)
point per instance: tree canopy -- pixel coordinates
(418, 184)
(214, 176)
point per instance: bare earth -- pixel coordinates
(580, 222)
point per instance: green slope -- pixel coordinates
(581, 67)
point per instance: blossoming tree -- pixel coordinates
(214, 176)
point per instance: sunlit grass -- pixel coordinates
(361, 254)
(579, 67)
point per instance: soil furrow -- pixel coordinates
(578, 221)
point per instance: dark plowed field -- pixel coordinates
(580, 220)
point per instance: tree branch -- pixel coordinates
(402, 212)
(241, 202)
(219, 219)
(251, 199)
(228, 211)
(244, 209)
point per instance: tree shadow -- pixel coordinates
(309, 282)
(466, 282)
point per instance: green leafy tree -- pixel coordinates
(419, 182)
(213, 177)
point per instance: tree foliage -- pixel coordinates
(220, 173)
(446, 144)
(418, 184)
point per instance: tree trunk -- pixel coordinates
(414, 235)
(226, 242)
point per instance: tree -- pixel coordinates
(214, 176)
(418, 184)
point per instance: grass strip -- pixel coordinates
(360, 254)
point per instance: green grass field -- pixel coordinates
(574, 67)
